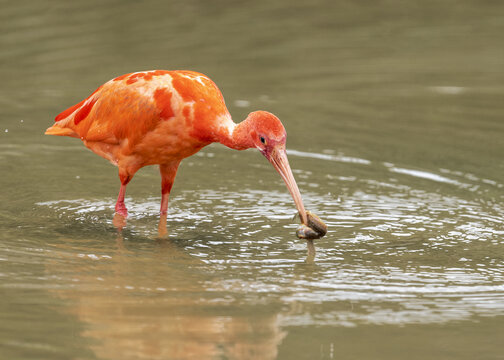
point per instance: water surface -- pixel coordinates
(394, 120)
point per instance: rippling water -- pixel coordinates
(394, 115)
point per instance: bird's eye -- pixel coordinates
(263, 140)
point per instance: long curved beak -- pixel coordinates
(278, 158)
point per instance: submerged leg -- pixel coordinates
(125, 178)
(168, 172)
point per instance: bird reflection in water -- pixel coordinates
(161, 304)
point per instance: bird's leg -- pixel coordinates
(120, 208)
(168, 172)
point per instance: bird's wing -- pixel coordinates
(114, 112)
(121, 112)
(132, 105)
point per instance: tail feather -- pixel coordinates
(67, 121)
(69, 111)
(60, 131)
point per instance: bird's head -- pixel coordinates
(267, 134)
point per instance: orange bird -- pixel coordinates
(161, 117)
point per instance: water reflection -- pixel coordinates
(230, 281)
(157, 306)
(396, 253)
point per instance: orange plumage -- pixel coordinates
(161, 117)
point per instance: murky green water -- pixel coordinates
(394, 112)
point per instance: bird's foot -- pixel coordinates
(120, 209)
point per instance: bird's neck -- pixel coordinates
(237, 136)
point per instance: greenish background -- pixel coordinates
(394, 113)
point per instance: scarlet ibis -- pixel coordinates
(161, 117)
